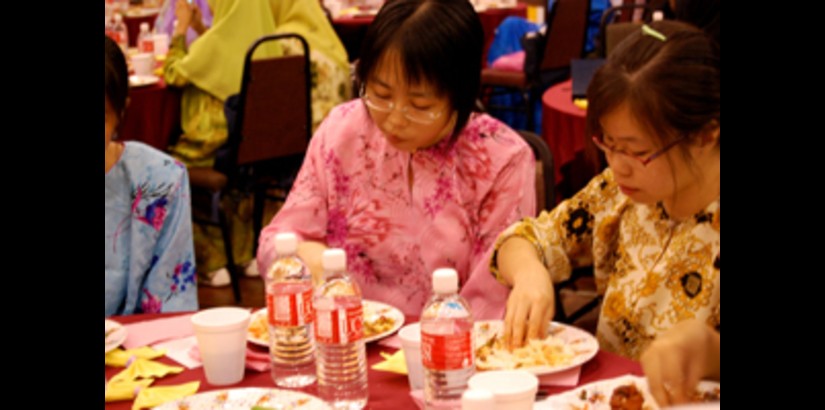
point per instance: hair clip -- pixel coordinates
(647, 30)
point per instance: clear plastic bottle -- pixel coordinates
(290, 314)
(342, 356)
(145, 40)
(119, 33)
(446, 343)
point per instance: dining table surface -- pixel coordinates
(386, 390)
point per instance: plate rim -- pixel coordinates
(114, 344)
(546, 370)
(150, 79)
(248, 390)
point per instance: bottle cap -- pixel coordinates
(334, 260)
(286, 243)
(118, 18)
(476, 399)
(144, 26)
(445, 281)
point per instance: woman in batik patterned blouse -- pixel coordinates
(649, 224)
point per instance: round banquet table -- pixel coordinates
(152, 116)
(575, 158)
(386, 390)
(352, 29)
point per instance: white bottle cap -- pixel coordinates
(445, 281)
(144, 26)
(286, 243)
(118, 18)
(658, 15)
(334, 260)
(477, 400)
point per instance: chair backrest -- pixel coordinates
(274, 116)
(616, 24)
(566, 33)
(545, 180)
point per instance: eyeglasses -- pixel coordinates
(385, 105)
(644, 161)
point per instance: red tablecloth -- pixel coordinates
(152, 115)
(351, 30)
(387, 390)
(575, 158)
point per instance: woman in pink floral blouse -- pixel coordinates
(407, 178)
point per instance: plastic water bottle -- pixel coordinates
(290, 315)
(339, 320)
(446, 343)
(145, 40)
(119, 33)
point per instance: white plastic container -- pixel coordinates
(512, 389)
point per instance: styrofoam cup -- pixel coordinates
(512, 389)
(410, 336)
(221, 334)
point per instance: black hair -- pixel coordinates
(117, 77)
(440, 42)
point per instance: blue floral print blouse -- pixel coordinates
(150, 264)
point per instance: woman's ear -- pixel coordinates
(710, 134)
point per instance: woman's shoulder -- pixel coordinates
(343, 123)
(145, 162)
(495, 136)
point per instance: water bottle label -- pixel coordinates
(290, 309)
(446, 352)
(147, 45)
(340, 326)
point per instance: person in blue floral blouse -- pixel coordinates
(150, 265)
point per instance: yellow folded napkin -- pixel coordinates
(144, 369)
(120, 357)
(581, 103)
(153, 396)
(392, 362)
(125, 389)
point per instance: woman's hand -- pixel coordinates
(678, 359)
(183, 14)
(530, 306)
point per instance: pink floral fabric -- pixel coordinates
(353, 193)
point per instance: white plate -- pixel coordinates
(142, 80)
(116, 337)
(604, 389)
(584, 344)
(247, 398)
(258, 332)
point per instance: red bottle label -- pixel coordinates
(340, 326)
(290, 309)
(446, 352)
(147, 45)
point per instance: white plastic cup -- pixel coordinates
(512, 389)
(161, 44)
(410, 336)
(144, 64)
(221, 334)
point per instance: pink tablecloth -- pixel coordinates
(351, 30)
(575, 158)
(387, 390)
(153, 114)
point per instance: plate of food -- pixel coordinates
(625, 392)
(380, 321)
(565, 347)
(115, 335)
(247, 398)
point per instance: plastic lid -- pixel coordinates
(658, 15)
(144, 26)
(476, 399)
(334, 260)
(445, 281)
(286, 243)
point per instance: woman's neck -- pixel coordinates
(113, 153)
(696, 196)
